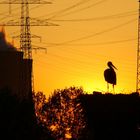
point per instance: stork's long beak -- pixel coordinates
(114, 67)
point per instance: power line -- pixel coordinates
(17, 8)
(77, 66)
(96, 34)
(102, 32)
(60, 12)
(89, 55)
(55, 14)
(78, 10)
(120, 15)
(66, 72)
(81, 57)
(50, 45)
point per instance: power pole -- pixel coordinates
(25, 22)
(138, 55)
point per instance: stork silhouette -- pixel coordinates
(110, 75)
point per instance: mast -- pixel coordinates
(138, 54)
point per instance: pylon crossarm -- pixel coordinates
(39, 22)
(34, 47)
(36, 36)
(11, 23)
(38, 48)
(29, 2)
(33, 22)
(32, 36)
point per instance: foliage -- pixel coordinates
(39, 101)
(62, 114)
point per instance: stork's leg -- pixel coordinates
(113, 88)
(107, 88)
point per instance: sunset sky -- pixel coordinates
(90, 33)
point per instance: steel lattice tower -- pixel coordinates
(25, 22)
(25, 34)
(138, 55)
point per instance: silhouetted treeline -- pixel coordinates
(112, 117)
(107, 116)
(17, 119)
(101, 116)
(61, 114)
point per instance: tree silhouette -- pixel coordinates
(39, 101)
(62, 114)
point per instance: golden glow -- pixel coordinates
(85, 46)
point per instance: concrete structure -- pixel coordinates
(15, 72)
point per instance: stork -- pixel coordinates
(110, 75)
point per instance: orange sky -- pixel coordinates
(90, 33)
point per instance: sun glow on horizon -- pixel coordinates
(89, 35)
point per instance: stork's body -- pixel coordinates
(110, 75)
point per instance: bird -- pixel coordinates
(110, 75)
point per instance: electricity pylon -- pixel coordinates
(138, 55)
(25, 22)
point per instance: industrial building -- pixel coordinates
(15, 71)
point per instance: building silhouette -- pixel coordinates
(112, 116)
(15, 71)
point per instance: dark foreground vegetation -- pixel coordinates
(70, 114)
(17, 119)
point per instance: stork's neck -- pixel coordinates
(111, 67)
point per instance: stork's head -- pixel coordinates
(110, 65)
